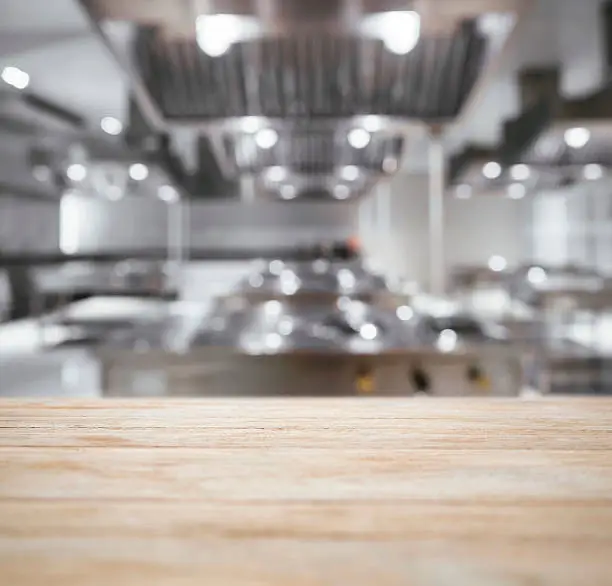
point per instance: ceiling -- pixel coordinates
(68, 63)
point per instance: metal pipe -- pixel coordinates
(437, 180)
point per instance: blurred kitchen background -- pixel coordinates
(238, 197)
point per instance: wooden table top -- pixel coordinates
(306, 492)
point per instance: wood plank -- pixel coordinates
(426, 434)
(305, 543)
(306, 492)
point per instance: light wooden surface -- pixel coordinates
(305, 492)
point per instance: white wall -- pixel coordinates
(95, 225)
(28, 226)
(574, 226)
(475, 230)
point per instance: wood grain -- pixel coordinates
(306, 492)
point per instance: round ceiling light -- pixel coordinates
(266, 138)
(341, 192)
(349, 173)
(576, 138)
(400, 31)
(288, 192)
(497, 263)
(111, 125)
(536, 275)
(276, 173)
(15, 77)
(76, 172)
(215, 33)
(592, 172)
(138, 171)
(520, 172)
(359, 138)
(167, 193)
(492, 170)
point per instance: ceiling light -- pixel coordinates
(368, 331)
(138, 172)
(576, 138)
(76, 172)
(497, 263)
(592, 172)
(492, 170)
(288, 192)
(341, 192)
(400, 31)
(111, 125)
(276, 173)
(215, 33)
(516, 191)
(520, 172)
(359, 138)
(266, 138)
(349, 173)
(168, 194)
(372, 123)
(463, 191)
(15, 77)
(536, 275)
(405, 313)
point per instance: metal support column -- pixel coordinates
(176, 240)
(384, 222)
(437, 185)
